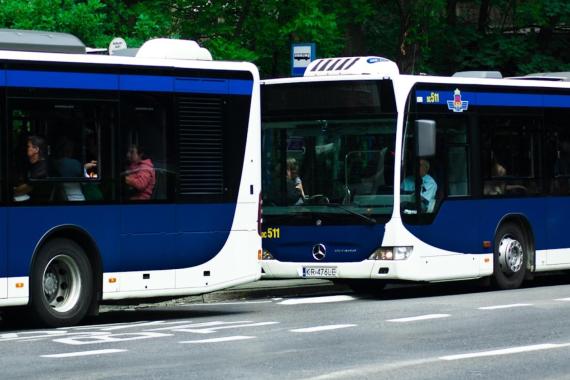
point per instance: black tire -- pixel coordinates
(510, 257)
(366, 287)
(61, 284)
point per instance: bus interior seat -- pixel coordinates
(159, 190)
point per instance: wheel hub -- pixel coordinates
(51, 284)
(511, 255)
(62, 283)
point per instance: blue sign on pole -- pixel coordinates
(301, 55)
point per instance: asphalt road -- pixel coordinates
(444, 331)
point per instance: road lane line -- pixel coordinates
(505, 306)
(83, 353)
(218, 340)
(311, 300)
(215, 329)
(321, 328)
(198, 325)
(419, 318)
(505, 351)
(562, 299)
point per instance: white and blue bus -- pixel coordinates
(371, 176)
(124, 177)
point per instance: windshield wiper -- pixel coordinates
(368, 219)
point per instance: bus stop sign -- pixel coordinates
(301, 55)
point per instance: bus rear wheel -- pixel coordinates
(510, 257)
(61, 284)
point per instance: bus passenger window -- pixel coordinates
(145, 169)
(65, 135)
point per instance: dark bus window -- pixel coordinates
(509, 155)
(56, 150)
(557, 158)
(145, 170)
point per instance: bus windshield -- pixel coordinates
(328, 150)
(329, 163)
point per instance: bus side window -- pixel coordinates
(146, 173)
(558, 150)
(71, 134)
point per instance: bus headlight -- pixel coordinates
(391, 253)
(266, 255)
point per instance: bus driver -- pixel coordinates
(429, 186)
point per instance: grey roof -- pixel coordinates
(557, 76)
(128, 52)
(38, 41)
(479, 74)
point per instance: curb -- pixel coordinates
(287, 289)
(257, 290)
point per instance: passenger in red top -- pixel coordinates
(140, 174)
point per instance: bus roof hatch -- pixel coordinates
(173, 49)
(352, 66)
(40, 41)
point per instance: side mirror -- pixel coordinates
(425, 138)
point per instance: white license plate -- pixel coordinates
(319, 272)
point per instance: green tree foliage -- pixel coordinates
(433, 36)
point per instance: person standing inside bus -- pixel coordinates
(295, 192)
(428, 189)
(140, 176)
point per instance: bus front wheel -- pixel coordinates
(510, 257)
(61, 284)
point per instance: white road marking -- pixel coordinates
(310, 300)
(197, 325)
(419, 318)
(562, 299)
(215, 329)
(144, 324)
(321, 328)
(110, 338)
(83, 353)
(506, 351)
(505, 306)
(217, 340)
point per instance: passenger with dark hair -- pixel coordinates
(295, 192)
(140, 176)
(37, 169)
(36, 152)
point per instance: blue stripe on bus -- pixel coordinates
(2, 78)
(48, 79)
(132, 238)
(478, 222)
(127, 82)
(146, 83)
(479, 219)
(495, 99)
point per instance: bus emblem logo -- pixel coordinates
(319, 251)
(457, 105)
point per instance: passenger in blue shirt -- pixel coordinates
(429, 186)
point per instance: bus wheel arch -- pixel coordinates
(80, 253)
(513, 253)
